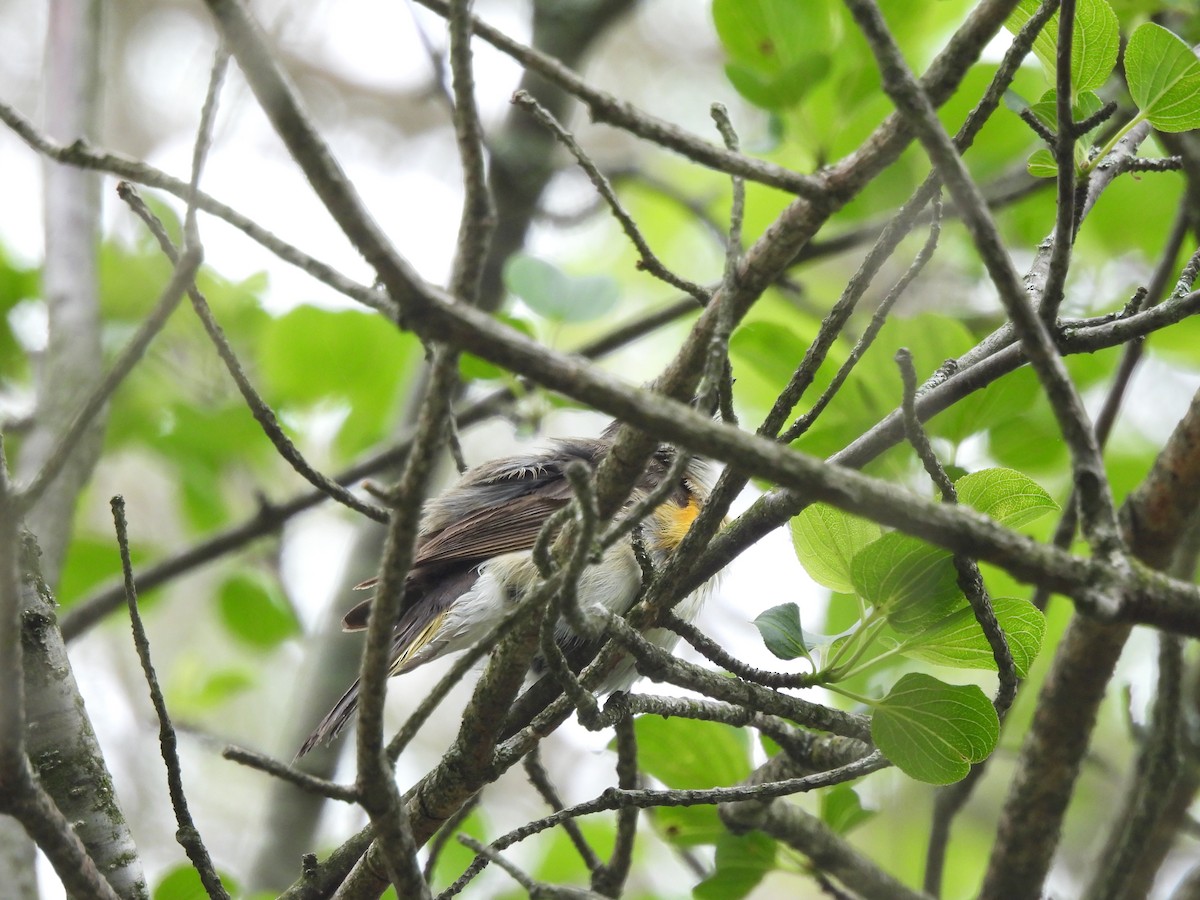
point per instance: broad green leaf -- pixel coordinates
(778, 50)
(842, 810)
(1041, 164)
(254, 610)
(687, 753)
(91, 561)
(935, 731)
(913, 582)
(1003, 400)
(959, 641)
(347, 360)
(557, 296)
(183, 883)
(783, 89)
(1164, 78)
(688, 826)
(741, 862)
(195, 690)
(1095, 39)
(1094, 44)
(1006, 495)
(781, 631)
(826, 540)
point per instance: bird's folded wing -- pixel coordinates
(479, 537)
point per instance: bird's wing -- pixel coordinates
(462, 545)
(490, 532)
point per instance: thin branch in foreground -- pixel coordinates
(259, 408)
(613, 111)
(610, 878)
(186, 833)
(536, 889)
(290, 774)
(540, 779)
(439, 841)
(1099, 511)
(715, 653)
(376, 785)
(878, 319)
(615, 798)
(647, 260)
(203, 142)
(478, 211)
(970, 581)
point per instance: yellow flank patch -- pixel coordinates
(672, 523)
(418, 642)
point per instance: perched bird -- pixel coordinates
(474, 559)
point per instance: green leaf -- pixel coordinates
(1095, 40)
(348, 359)
(786, 88)
(912, 582)
(781, 631)
(958, 640)
(688, 826)
(1164, 78)
(554, 295)
(685, 754)
(196, 691)
(1006, 495)
(254, 610)
(740, 864)
(842, 810)
(1041, 164)
(778, 49)
(935, 731)
(183, 883)
(92, 560)
(826, 540)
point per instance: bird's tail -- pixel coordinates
(333, 723)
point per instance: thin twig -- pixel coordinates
(81, 155)
(303, 780)
(478, 211)
(376, 786)
(714, 652)
(804, 374)
(609, 880)
(540, 779)
(186, 833)
(262, 412)
(1099, 512)
(647, 260)
(446, 833)
(615, 798)
(1053, 291)
(612, 111)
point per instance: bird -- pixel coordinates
(473, 559)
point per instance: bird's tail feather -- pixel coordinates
(333, 723)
